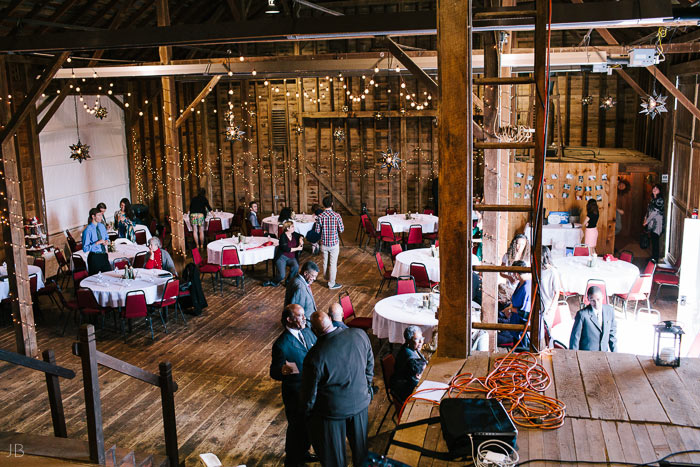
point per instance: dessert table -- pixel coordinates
(253, 251)
(5, 285)
(402, 263)
(399, 223)
(303, 223)
(558, 236)
(110, 288)
(121, 251)
(575, 273)
(226, 218)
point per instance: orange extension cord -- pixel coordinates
(517, 380)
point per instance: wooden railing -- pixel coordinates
(52, 373)
(86, 349)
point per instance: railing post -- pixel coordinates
(93, 406)
(167, 397)
(52, 385)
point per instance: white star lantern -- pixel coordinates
(390, 160)
(654, 105)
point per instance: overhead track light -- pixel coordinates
(272, 8)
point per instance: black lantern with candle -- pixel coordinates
(667, 343)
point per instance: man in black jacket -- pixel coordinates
(288, 354)
(335, 393)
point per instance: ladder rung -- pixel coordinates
(499, 326)
(505, 81)
(494, 268)
(502, 145)
(501, 14)
(502, 207)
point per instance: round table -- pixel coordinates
(575, 273)
(402, 263)
(137, 228)
(252, 252)
(394, 314)
(121, 251)
(399, 223)
(302, 224)
(226, 218)
(110, 288)
(559, 236)
(5, 285)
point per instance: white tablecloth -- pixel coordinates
(302, 224)
(402, 263)
(394, 314)
(137, 227)
(558, 236)
(5, 285)
(110, 288)
(399, 223)
(251, 253)
(122, 251)
(225, 217)
(575, 273)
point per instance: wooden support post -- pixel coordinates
(91, 385)
(270, 150)
(221, 144)
(584, 111)
(172, 154)
(301, 149)
(53, 387)
(258, 141)
(455, 143)
(167, 397)
(403, 148)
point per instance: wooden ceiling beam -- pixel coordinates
(197, 100)
(411, 66)
(10, 9)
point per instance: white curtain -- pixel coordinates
(73, 188)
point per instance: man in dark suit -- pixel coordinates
(288, 354)
(595, 327)
(335, 393)
(299, 289)
(335, 311)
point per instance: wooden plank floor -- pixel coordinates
(226, 402)
(620, 407)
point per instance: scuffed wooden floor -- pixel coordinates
(226, 403)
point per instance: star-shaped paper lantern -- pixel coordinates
(233, 133)
(390, 160)
(608, 103)
(588, 100)
(299, 130)
(79, 152)
(654, 105)
(339, 135)
(378, 115)
(100, 112)
(345, 108)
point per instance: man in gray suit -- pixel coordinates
(595, 327)
(299, 289)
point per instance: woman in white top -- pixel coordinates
(550, 287)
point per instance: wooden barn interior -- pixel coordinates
(499, 117)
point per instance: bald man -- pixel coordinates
(336, 390)
(288, 354)
(335, 311)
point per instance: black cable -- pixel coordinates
(673, 454)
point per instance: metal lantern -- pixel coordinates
(667, 344)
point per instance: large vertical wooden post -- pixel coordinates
(245, 142)
(167, 390)
(91, 384)
(301, 149)
(172, 157)
(455, 143)
(55, 402)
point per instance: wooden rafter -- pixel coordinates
(197, 100)
(408, 62)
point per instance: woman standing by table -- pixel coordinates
(590, 236)
(123, 222)
(654, 219)
(199, 207)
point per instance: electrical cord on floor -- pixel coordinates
(635, 464)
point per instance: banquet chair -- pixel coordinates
(135, 307)
(121, 263)
(665, 279)
(205, 268)
(40, 262)
(386, 275)
(66, 307)
(214, 227)
(582, 250)
(395, 250)
(650, 268)
(670, 269)
(140, 259)
(370, 231)
(420, 275)
(72, 244)
(78, 277)
(389, 211)
(359, 235)
(220, 236)
(429, 212)
(112, 236)
(405, 284)
(164, 235)
(231, 267)
(78, 263)
(595, 282)
(386, 234)
(349, 312)
(172, 289)
(388, 367)
(140, 237)
(415, 236)
(640, 290)
(33, 284)
(125, 241)
(626, 255)
(87, 304)
(153, 227)
(63, 268)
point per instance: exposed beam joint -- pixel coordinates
(411, 66)
(682, 99)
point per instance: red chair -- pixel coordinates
(386, 234)
(72, 244)
(405, 284)
(140, 237)
(154, 225)
(66, 306)
(650, 268)
(370, 231)
(78, 276)
(231, 267)
(598, 283)
(626, 255)
(170, 294)
(40, 262)
(257, 233)
(140, 259)
(390, 211)
(388, 366)
(429, 212)
(665, 279)
(63, 268)
(121, 263)
(87, 304)
(78, 263)
(359, 235)
(395, 250)
(415, 236)
(220, 236)
(164, 232)
(582, 250)
(206, 268)
(672, 269)
(136, 307)
(214, 227)
(349, 312)
(386, 275)
(640, 290)
(420, 275)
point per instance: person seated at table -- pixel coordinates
(253, 215)
(158, 258)
(312, 236)
(335, 311)
(123, 220)
(95, 241)
(410, 364)
(518, 310)
(595, 327)
(285, 215)
(550, 286)
(519, 250)
(291, 243)
(103, 208)
(199, 207)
